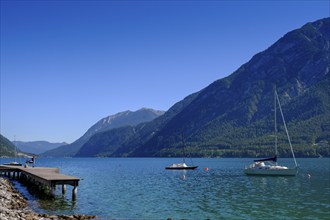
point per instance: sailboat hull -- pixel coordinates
(13, 164)
(181, 168)
(271, 172)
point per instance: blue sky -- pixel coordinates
(67, 64)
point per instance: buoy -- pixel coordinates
(206, 168)
(308, 175)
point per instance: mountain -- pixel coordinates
(233, 116)
(126, 118)
(7, 148)
(36, 147)
(109, 143)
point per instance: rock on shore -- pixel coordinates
(13, 206)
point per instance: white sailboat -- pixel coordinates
(180, 166)
(269, 166)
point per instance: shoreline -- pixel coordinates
(15, 206)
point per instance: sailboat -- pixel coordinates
(269, 166)
(181, 166)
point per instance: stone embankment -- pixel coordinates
(13, 206)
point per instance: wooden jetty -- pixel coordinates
(42, 177)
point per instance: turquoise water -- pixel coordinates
(141, 188)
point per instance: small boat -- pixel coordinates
(181, 166)
(269, 166)
(13, 164)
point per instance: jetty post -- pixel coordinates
(74, 192)
(63, 189)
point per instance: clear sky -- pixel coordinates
(67, 64)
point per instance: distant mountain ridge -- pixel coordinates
(233, 116)
(36, 147)
(126, 118)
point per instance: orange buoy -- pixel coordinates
(206, 168)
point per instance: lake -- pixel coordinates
(141, 188)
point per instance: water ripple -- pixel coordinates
(140, 188)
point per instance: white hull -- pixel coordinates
(180, 166)
(271, 172)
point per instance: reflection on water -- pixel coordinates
(142, 188)
(44, 202)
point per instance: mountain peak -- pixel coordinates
(156, 112)
(125, 118)
(120, 119)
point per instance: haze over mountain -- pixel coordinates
(233, 116)
(113, 121)
(36, 147)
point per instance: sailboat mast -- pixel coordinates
(275, 126)
(183, 150)
(184, 156)
(15, 146)
(286, 130)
